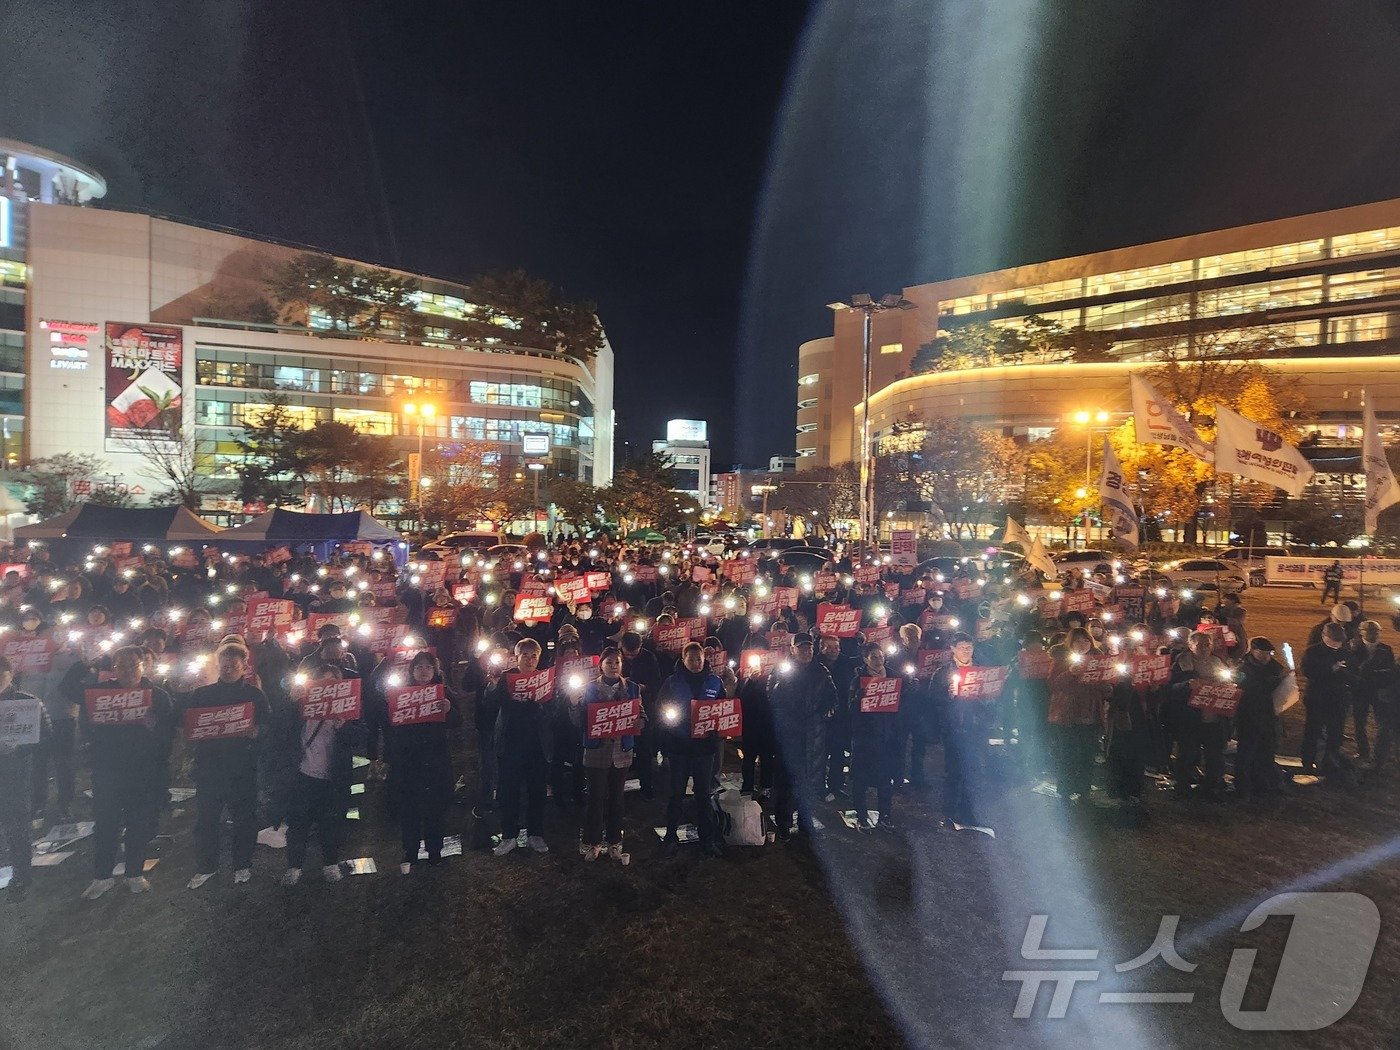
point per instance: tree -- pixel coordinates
(353, 298)
(463, 477)
(110, 496)
(642, 492)
(978, 344)
(959, 467)
(182, 465)
(377, 466)
(575, 502)
(275, 469)
(51, 480)
(824, 495)
(508, 502)
(536, 314)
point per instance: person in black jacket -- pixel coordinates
(524, 747)
(1256, 724)
(15, 774)
(225, 768)
(874, 738)
(127, 756)
(639, 666)
(321, 791)
(803, 699)
(420, 755)
(1328, 670)
(838, 730)
(1375, 669)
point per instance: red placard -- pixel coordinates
(184, 559)
(965, 588)
(644, 573)
(118, 707)
(824, 582)
(1220, 697)
(336, 698)
(741, 571)
(442, 616)
(767, 606)
(868, 575)
(912, 596)
(938, 621)
(839, 620)
(700, 573)
(779, 640)
(432, 575)
(891, 590)
(1130, 599)
(1081, 601)
(609, 719)
(881, 634)
(671, 637)
(464, 592)
(978, 683)
(537, 687)
(573, 590)
(533, 585)
(1035, 664)
(269, 614)
(1151, 672)
(1101, 669)
(315, 621)
(219, 723)
(411, 705)
(120, 549)
(786, 597)
(757, 662)
(723, 716)
(30, 655)
(880, 696)
(575, 672)
(598, 580)
(930, 660)
(384, 590)
(718, 658)
(531, 608)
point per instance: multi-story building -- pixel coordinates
(1318, 295)
(120, 329)
(687, 446)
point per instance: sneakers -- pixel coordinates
(538, 844)
(274, 838)
(242, 875)
(405, 868)
(332, 873)
(504, 847)
(97, 887)
(291, 876)
(200, 879)
(615, 853)
(140, 884)
(592, 853)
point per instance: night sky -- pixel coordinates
(713, 173)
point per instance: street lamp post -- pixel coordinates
(868, 306)
(1085, 418)
(536, 469)
(764, 491)
(424, 412)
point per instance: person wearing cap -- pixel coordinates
(1340, 614)
(1328, 667)
(803, 699)
(1256, 724)
(692, 760)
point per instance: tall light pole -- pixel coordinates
(424, 411)
(765, 491)
(1085, 418)
(869, 307)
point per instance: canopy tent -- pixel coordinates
(319, 531)
(138, 524)
(645, 536)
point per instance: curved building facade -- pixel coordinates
(1321, 292)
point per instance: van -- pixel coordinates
(1250, 560)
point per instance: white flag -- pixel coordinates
(1245, 448)
(1116, 501)
(1381, 491)
(1157, 422)
(1040, 559)
(1014, 533)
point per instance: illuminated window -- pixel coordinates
(809, 402)
(13, 274)
(366, 420)
(891, 348)
(806, 428)
(809, 380)
(1358, 329)
(1364, 243)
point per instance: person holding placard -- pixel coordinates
(874, 739)
(222, 721)
(1076, 715)
(127, 724)
(423, 711)
(803, 699)
(606, 760)
(23, 726)
(524, 747)
(321, 791)
(691, 759)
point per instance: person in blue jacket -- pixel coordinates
(606, 762)
(690, 759)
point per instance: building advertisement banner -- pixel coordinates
(145, 368)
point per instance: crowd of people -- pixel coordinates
(575, 668)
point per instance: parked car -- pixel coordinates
(1250, 560)
(460, 542)
(1200, 574)
(806, 558)
(1088, 561)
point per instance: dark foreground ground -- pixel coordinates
(862, 940)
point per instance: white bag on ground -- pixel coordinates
(745, 819)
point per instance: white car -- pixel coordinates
(1199, 574)
(1250, 561)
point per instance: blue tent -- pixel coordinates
(320, 532)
